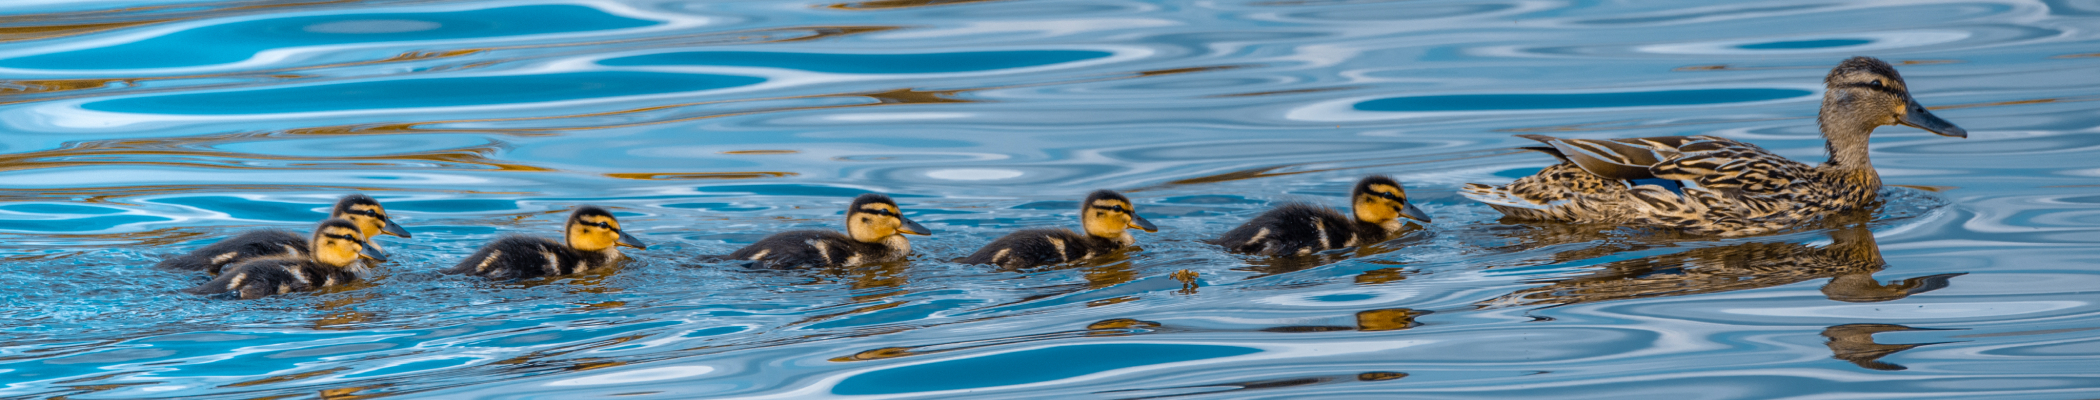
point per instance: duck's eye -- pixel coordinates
(1875, 83)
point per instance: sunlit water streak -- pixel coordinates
(139, 129)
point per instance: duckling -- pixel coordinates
(1106, 216)
(592, 240)
(1377, 204)
(1726, 187)
(332, 258)
(359, 209)
(875, 230)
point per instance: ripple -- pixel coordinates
(1026, 366)
(423, 93)
(922, 63)
(240, 40)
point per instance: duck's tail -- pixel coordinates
(221, 284)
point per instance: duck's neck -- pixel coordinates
(1849, 167)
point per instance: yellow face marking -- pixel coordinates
(1376, 209)
(367, 225)
(587, 235)
(1101, 220)
(334, 251)
(873, 222)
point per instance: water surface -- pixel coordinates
(134, 130)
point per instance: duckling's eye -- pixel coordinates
(1875, 83)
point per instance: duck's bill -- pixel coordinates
(631, 241)
(1140, 223)
(1415, 213)
(913, 227)
(372, 253)
(1918, 117)
(392, 228)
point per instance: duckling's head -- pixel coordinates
(338, 242)
(1864, 93)
(874, 217)
(593, 229)
(1379, 200)
(1107, 214)
(370, 218)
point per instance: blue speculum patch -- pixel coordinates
(923, 63)
(425, 92)
(1804, 44)
(237, 41)
(1491, 102)
(1027, 366)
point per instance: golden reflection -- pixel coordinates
(1385, 319)
(285, 377)
(340, 311)
(1390, 319)
(1850, 261)
(889, 4)
(355, 392)
(1855, 343)
(1188, 281)
(1380, 376)
(1112, 301)
(69, 23)
(1121, 323)
(679, 176)
(1103, 276)
(1382, 276)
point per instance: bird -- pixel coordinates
(1723, 187)
(875, 230)
(1377, 205)
(331, 259)
(1106, 216)
(591, 240)
(361, 210)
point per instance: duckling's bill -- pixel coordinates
(1414, 213)
(372, 253)
(1139, 222)
(631, 241)
(913, 228)
(392, 228)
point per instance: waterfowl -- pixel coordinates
(1377, 205)
(361, 210)
(875, 230)
(1106, 216)
(591, 239)
(331, 258)
(1728, 188)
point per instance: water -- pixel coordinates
(138, 129)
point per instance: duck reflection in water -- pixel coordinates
(1855, 343)
(1850, 261)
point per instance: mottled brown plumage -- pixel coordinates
(1729, 188)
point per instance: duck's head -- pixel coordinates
(1864, 93)
(1379, 200)
(874, 217)
(593, 229)
(1107, 214)
(338, 242)
(370, 218)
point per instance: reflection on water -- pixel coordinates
(136, 130)
(1850, 262)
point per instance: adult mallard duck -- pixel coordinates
(1727, 188)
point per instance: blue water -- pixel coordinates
(134, 130)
